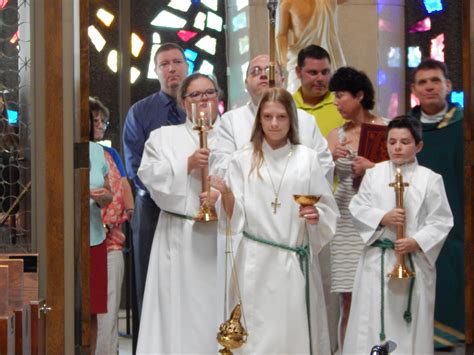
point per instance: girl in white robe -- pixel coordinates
(258, 196)
(179, 315)
(376, 316)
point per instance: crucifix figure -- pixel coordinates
(275, 205)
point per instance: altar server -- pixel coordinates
(391, 308)
(280, 283)
(179, 315)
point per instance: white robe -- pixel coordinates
(236, 128)
(271, 281)
(428, 221)
(178, 314)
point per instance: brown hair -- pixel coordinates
(272, 95)
(183, 87)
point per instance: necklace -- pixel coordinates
(275, 203)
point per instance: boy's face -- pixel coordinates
(401, 146)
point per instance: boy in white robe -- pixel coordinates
(280, 283)
(391, 308)
(178, 314)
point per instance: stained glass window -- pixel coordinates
(97, 39)
(167, 19)
(421, 26)
(186, 35)
(105, 16)
(212, 4)
(137, 45)
(214, 22)
(112, 60)
(414, 56)
(244, 44)
(206, 68)
(200, 21)
(458, 97)
(242, 4)
(182, 5)
(437, 48)
(190, 54)
(208, 44)
(433, 5)
(239, 22)
(394, 57)
(134, 74)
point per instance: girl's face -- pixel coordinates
(401, 146)
(201, 92)
(275, 123)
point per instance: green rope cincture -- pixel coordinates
(179, 215)
(407, 316)
(303, 255)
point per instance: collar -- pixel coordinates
(167, 99)
(252, 107)
(437, 117)
(278, 153)
(327, 100)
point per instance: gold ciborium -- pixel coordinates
(400, 270)
(306, 200)
(232, 334)
(201, 116)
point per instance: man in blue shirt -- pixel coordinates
(146, 115)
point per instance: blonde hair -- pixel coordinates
(272, 95)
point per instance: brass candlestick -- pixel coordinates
(400, 270)
(203, 124)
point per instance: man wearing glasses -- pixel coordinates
(236, 125)
(146, 115)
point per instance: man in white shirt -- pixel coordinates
(236, 125)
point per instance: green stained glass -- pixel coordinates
(243, 44)
(208, 44)
(167, 19)
(239, 22)
(212, 4)
(181, 5)
(200, 21)
(214, 21)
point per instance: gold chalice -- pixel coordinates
(306, 200)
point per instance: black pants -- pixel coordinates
(145, 219)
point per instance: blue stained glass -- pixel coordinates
(458, 97)
(190, 67)
(195, 2)
(12, 117)
(190, 54)
(381, 77)
(380, 8)
(433, 5)
(239, 21)
(414, 57)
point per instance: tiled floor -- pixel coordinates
(125, 342)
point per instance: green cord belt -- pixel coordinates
(303, 255)
(388, 244)
(179, 215)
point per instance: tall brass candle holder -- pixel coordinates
(400, 270)
(201, 116)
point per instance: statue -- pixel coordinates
(302, 23)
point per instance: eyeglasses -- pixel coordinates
(196, 95)
(100, 122)
(256, 71)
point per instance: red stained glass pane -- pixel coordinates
(421, 26)
(186, 35)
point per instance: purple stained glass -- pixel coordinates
(421, 26)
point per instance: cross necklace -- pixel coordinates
(275, 203)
